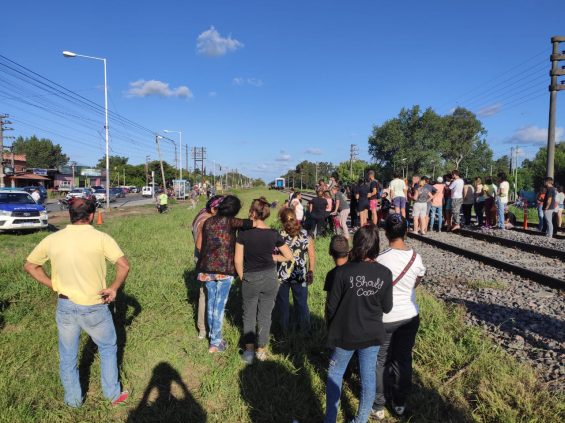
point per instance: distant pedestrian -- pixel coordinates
(448, 209)
(456, 188)
(437, 204)
(295, 276)
(549, 206)
(373, 197)
(502, 199)
(78, 257)
(540, 200)
(339, 252)
(480, 198)
(560, 199)
(255, 265)
(162, 202)
(296, 205)
(317, 209)
(341, 210)
(490, 189)
(362, 193)
(398, 191)
(36, 195)
(468, 202)
(394, 364)
(421, 196)
(361, 291)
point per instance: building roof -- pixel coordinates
(17, 157)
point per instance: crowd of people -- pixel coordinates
(371, 307)
(447, 203)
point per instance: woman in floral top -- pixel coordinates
(216, 243)
(295, 275)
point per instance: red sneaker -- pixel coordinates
(122, 398)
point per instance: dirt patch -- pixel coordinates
(61, 218)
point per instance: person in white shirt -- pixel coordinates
(456, 188)
(502, 199)
(296, 205)
(402, 322)
(398, 191)
(36, 196)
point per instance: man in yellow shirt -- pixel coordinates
(162, 201)
(78, 257)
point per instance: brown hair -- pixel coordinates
(261, 208)
(290, 224)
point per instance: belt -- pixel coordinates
(64, 297)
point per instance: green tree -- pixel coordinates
(463, 134)
(115, 162)
(40, 152)
(347, 172)
(537, 167)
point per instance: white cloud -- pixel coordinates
(255, 82)
(143, 88)
(314, 151)
(211, 43)
(284, 157)
(212, 94)
(533, 135)
(490, 110)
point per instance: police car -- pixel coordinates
(19, 212)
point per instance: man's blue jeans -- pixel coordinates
(433, 211)
(96, 321)
(500, 213)
(218, 292)
(367, 370)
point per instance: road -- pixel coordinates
(129, 200)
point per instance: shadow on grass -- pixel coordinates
(167, 399)
(122, 320)
(3, 307)
(275, 393)
(193, 293)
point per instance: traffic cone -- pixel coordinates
(100, 220)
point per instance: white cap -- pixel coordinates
(439, 179)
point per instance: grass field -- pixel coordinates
(460, 375)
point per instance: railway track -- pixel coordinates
(540, 264)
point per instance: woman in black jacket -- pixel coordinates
(359, 294)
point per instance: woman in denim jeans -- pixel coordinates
(360, 292)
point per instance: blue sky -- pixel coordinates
(263, 85)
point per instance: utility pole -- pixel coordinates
(3, 122)
(147, 159)
(555, 58)
(353, 155)
(186, 155)
(316, 174)
(157, 137)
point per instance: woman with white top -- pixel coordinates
(402, 322)
(296, 205)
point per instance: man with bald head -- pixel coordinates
(78, 257)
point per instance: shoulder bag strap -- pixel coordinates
(408, 266)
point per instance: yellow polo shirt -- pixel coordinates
(78, 257)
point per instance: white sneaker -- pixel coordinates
(399, 409)
(378, 414)
(248, 356)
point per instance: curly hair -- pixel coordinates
(261, 208)
(288, 220)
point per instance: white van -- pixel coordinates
(147, 191)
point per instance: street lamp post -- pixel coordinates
(180, 149)
(71, 54)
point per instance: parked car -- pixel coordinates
(79, 193)
(19, 212)
(133, 189)
(147, 191)
(118, 192)
(42, 192)
(100, 195)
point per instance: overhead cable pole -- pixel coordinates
(157, 137)
(555, 58)
(3, 122)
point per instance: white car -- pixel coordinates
(79, 193)
(147, 191)
(18, 211)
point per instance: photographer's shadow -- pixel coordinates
(167, 399)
